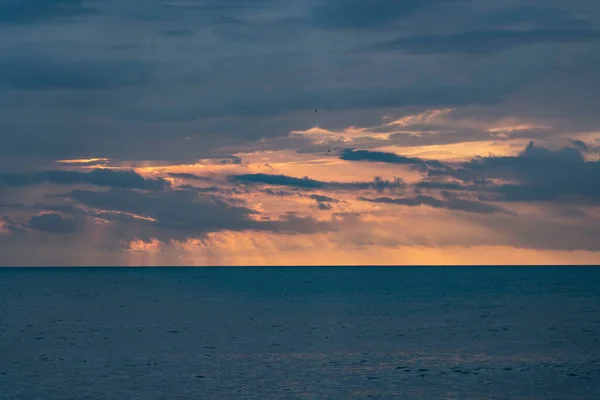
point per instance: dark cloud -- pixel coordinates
(385, 157)
(378, 183)
(449, 204)
(358, 14)
(440, 185)
(278, 180)
(538, 174)
(53, 223)
(539, 17)
(218, 5)
(100, 177)
(181, 214)
(186, 175)
(212, 189)
(485, 42)
(324, 206)
(232, 160)
(36, 11)
(178, 33)
(323, 199)
(585, 148)
(13, 226)
(580, 145)
(159, 99)
(279, 193)
(52, 74)
(323, 202)
(201, 79)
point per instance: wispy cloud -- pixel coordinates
(99, 177)
(485, 42)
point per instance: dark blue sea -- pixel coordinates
(300, 333)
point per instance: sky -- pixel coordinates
(305, 132)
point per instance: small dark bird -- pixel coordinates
(315, 110)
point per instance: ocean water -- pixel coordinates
(300, 333)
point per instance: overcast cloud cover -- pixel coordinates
(251, 132)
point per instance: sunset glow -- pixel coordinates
(317, 132)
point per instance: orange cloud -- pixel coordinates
(83, 161)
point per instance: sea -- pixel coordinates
(300, 333)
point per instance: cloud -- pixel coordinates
(166, 84)
(308, 183)
(536, 16)
(187, 175)
(323, 202)
(99, 177)
(538, 174)
(36, 73)
(278, 180)
(218, 5)
(235, 160)
(324, 206)
(484, 42)
(144, 103)
(584, 147)
(323, 199)
(279, 193)
(385, 157)
(34, 11)
(212, 189)
(449, 204)
(580, 145)
(358, 14)
(53, 223)
(183, 214)
(178, 33)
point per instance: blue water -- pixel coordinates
(300, 333)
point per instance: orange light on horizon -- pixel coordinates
(83, 161)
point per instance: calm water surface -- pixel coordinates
(300, 333)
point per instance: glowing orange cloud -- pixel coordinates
(83, 161)
(140, 245)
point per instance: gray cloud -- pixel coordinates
(218, 5)
(323, 199)
(279, 180)
(53, 74)
(178, 33)
(580, 145)
(449, 204)
(324, 206)
(323, 202)
(374, 14)
(165, 99)
(308, 183)
(485, 42)
(99, 177)
(53, 223)
(186, 175)
(536, 16)
(540, 175)
(33, 11)
(132, 83)
(279, 193)
(384, 157)
(181, 214)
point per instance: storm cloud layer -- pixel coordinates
(204, 130)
